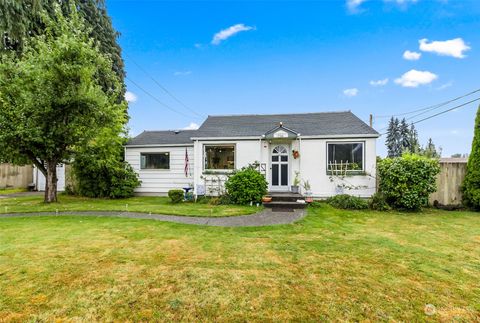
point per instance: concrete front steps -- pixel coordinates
(285, 201)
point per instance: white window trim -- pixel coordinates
(220, 145)
(156, 153)
(349, 142)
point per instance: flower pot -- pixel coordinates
(266, 199)
(295, 189)
(309, 199)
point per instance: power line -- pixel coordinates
(431, 107)
(440, 113)
(445, 111)
(164, 88)
(156, 99)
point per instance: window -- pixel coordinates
(155, 161)
(345, 156)
(220, 157)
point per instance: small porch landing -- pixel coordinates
(285, 201)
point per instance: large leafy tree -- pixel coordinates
(20, 19)
(54, 97)
(471, 184)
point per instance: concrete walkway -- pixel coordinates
(264, 218)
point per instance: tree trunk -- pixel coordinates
(51, 183)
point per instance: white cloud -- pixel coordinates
(191, 126)
(182, 73)
(198, 45)
(379, 82)
(453, 47)
(130, 97)
(414, 78)
(353, 6)
(411, 56)
(229, 32)
(351, 92)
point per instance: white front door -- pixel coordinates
(279, 168)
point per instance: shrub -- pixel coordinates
(378, 202)
(246, 185)
(98, 170)
(345, 201)
(315, 204)
(176, 196)
(407, 181)
(471, 184)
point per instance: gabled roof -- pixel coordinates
(306, 124)
(333, 124)
(166, 137)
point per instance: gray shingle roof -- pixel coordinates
(307, 124)
(167, 137)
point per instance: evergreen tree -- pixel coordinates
(414, 142)
(404, 136)
(21, 19)
(393, 138)
(471, 184)
(430, 150)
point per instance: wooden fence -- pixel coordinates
(12, 176)
(449, 181)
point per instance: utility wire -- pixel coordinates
(431, 107)
(164, 88)
(440, 113)
(156, 99)
(445, 111)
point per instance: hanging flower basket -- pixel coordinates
(295, 154)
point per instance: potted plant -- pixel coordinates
(296, 183)
(266, 199)
(308, 193)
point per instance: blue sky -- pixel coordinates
(226, 57)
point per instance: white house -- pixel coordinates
(334, 151)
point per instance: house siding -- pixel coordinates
(313, 167)
(160, 181)
(312, 164)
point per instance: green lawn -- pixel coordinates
(332, 265)
(157, 205)
(6, 191)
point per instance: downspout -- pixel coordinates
(301, 153)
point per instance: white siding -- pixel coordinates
(246, 152)
(313, 163)
(40, 181)
(160, 181)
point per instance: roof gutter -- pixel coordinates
(303, 137)
(159, 145)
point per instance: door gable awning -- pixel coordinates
(281, 132)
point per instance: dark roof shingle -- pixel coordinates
(306, 124)
(167, 137)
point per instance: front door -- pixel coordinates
(279, 168)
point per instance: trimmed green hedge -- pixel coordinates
(407, 181)
(176, 196)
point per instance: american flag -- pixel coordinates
(186, 162)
